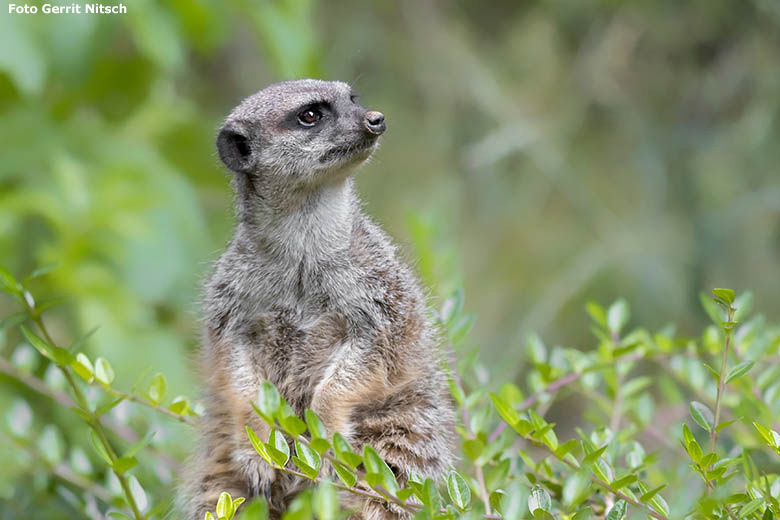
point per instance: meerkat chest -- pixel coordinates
(293, 352)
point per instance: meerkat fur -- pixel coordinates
(311, 295)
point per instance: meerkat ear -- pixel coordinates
(234, 150)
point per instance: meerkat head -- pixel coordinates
(298, 134)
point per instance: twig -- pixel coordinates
(721, 381)
(39, 386)
(484, 495)
(409, 506)
(64, 473)
(607, 487)
(81, 400)
(617, 410)
(134, 398)
(531, 399)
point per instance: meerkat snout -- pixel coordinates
(375, 122)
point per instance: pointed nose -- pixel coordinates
(374, 122)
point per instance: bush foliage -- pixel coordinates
(670, 427)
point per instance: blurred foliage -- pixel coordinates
(622, 457)
(559, 151)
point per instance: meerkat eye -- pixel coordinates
(309, 117)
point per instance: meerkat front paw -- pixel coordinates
(259, 476)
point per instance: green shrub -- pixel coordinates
(650, 425)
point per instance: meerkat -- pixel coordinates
(312, 296)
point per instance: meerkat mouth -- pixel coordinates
(348, 151)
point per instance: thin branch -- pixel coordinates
(134, 398)
(617, 409)
(607, 487)
(94, 421)
(721, 382)
(121, 430)
(531, 399)
(64, 473)
(483, 492)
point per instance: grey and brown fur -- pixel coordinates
(312, 296)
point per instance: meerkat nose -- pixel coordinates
(374, 122)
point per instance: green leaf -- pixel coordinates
(237, 502)
(495, 499)
(618, 511)
(702, 415)
(278, 448)
(576, 488)
(594, 455)
(82, 340)
(507, 412)
(452, 307)
(308, 456)
(42, 271)
(140, 444)
(123, 464)
(97, 445)
(259, 446)
(157, 389)
(345, 474)
(103, 371)
(539, 499)
(567, 447)
(712, 310)
(13, 320)
(256, 509)
(180, 405)
(751, 507)
(687, 435)
(771, 437)
(617, 316)
(39, 344)
(603, 470)
(309, 471)
(268, 400)
(636, 385)
(694, 451)
(459, 491)
(431, 498)
(726, 295)
(404, 493)
(292, 425)
(473, 448)
(344, 451)
(648, 495)
(623, 482)
(224, 506)
(321, 445)
(461, 328)
(739, 370)
(83, 367)
(316, 428)
(537, 351)
(725, 424)
(715, 374)
(597, 313)
(122, 516)
(51, 444)
(375, 464)
(326, 501)
(8, 283)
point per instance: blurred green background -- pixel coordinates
(538, 153)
